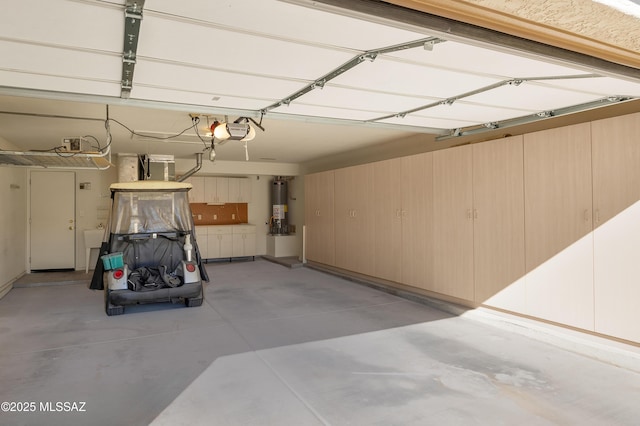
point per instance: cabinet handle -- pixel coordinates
(468, 213)
(398, 213)
(475, 213)
(404, 213)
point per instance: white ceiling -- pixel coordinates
(243, 57)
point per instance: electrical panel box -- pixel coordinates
(75, 144)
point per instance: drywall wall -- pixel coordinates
(13, 225)
(92, 207)
(13, 222)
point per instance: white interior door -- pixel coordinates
(52, 220)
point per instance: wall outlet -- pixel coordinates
(233, 216)
(199, 217)
(215, 217)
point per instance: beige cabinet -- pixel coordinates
(616, 192)
(216, 189)
(209, 189)
(202, 236)
(196, 194)
(417, 220)
(387, 202)
(498, 225)
(319, 220)
(244, 240)
(239, 190)
(453, 223)
(403, 219)
(558, 224)
(219, 242)
(354, 219)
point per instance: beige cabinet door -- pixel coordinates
(196, 194)
(354, 219)
(244, 240)
(216, 189)
(498, 228)
(453, 223)
(616, 192)
(202, 236)
(319, 220)
(239, 190)
(222, 189)
(558, 224)
(211, 189)
(388, 184)
(239, 248)
(416, 186)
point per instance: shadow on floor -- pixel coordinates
(48, 278)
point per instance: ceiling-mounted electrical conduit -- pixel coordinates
(56, 158)
(369, 55)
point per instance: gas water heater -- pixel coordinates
(279, 223)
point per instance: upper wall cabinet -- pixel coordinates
(319, 221)
(498, 226)
(217, 189)
(616, 192)
(196, 194)
(558, 224)
(239, 190)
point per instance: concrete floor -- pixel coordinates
(279, 346)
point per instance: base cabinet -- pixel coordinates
(226, 241)
(202, 236)
(219, 242)
(244, 241)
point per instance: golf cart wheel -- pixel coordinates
(110, 309)
(114, 310)
(192, 302)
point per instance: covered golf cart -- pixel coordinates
(149, 253)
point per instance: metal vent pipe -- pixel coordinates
(194, 170)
